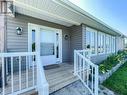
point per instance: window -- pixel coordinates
(57, 45)
(107, 45)
(93, 41)
(114, 44)
(111, 47)
(101, 42)
(87, 40)
(33, 40)
(110, 43)
(91, 36)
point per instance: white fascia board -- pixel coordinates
(82, 12)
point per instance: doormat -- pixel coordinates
(54, 66)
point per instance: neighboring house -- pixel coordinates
(55, 28)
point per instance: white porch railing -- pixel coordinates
(86, 71)
(21, 72)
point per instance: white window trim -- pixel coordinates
(36, 26)
(95, 40)
(112, 42)
(103, 44)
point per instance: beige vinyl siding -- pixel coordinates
(19, 43)
(99, 58)
(76, 39)
(2, 31)
(16, 43)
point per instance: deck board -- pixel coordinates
(60, 77)
(57, 78)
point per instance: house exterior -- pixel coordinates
(58, 27)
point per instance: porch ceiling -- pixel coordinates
(61, 12)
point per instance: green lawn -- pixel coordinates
(118, 81)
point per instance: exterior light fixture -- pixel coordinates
(19, 31)
(66, 37)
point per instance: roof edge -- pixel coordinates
(74, 7)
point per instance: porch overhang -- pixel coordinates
(61, 12)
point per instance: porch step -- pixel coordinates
(59, 85)
(60, 77)
(32, 92)
(62, 83)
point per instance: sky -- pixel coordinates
(111, 12)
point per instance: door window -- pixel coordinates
(33, 40)
(47, 44)
(57, 45)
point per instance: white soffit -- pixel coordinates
(46, 10)
(62, 12)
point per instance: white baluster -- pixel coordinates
(92, 80)
(6, 66)
(87, 74)
(96, 80)
(75, 63)
(3, 76)
(12, 76)
(27, 57)
(80, 63)
(33, 69)
(20, 73)
(83, 70)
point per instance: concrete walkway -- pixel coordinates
(77, 88)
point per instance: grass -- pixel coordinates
(118, 81)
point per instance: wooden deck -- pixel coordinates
(57, 78)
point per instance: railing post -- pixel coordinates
(96, 80)
(75, 62)
(89, 54)
(3, 76)
(85, 55)
(42, 84)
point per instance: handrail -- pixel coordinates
(42, 84)
(17, 54)
(15, 66)
(86, 70)
(91, 63)
(29, 72)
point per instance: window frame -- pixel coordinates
(106, 41)
(91, 32)
(102, 42)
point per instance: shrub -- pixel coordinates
(112, 61)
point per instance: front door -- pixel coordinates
(50, 44)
